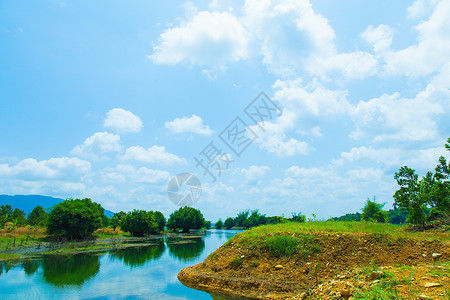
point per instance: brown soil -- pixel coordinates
(345, 268)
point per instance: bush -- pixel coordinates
(229, 223)
(75, 218)
(219, 224)
(139, 223)
(279, 246)
(186, 218)
(373, 212)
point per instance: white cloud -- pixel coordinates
(95, 146)
(379, 37)
(54, 168)
(255, 173)
(208, 39)
(130, 174)
(192, 124)
(282, 146)
(431, 52)
(154, 154)
(391, 117)
(121, 120)
(420, 7)
(419, 159)
(312, 99)
(287, 33)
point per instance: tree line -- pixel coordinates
(79, 218)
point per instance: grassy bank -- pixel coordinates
(328, 260)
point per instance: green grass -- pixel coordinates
(237, 262)
(396, 232)
(282, 245)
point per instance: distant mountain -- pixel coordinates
(28, 202)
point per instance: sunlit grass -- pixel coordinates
(259, 234)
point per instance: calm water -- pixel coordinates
(135, 273)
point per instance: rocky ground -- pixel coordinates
(347, 266)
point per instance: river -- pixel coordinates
(148, 272)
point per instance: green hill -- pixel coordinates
(28, 202)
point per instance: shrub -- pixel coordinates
(279, 246)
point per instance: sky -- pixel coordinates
(283, 106)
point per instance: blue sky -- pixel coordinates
(110, 99)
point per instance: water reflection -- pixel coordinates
(30, 266)
(186, 250)
(138, 256)
(146, 272)
(61, 270)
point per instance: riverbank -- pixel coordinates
(328, 260)
(27, 242)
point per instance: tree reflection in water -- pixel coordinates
(186, 250)
(73, 269)
(138, 256)
(30, 266)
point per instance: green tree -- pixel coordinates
(408, 197)
(159, 219)
(373, 212)
(186, 218)
(139, 223)
(75, 218)
(5, 214)
(114, 222)
(219, 224)
(207, 224)
(254, 219)
(37, 217)
(18, 217)
(241, 217)
(229, 223)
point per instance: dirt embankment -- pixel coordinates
(346, 265)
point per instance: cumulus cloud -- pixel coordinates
(54, 168)
(255, 173)
(208, 39)
(192, 124)
(391, 117)
(391, 157)
(430, 54)
(154, 154)
(121, 120)
(420, 8)
(379, 37)
(97, 145)
(127, 173)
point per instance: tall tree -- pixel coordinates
(408, 197)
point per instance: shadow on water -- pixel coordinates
(138, 256)
(61, 270)
(186, 250)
